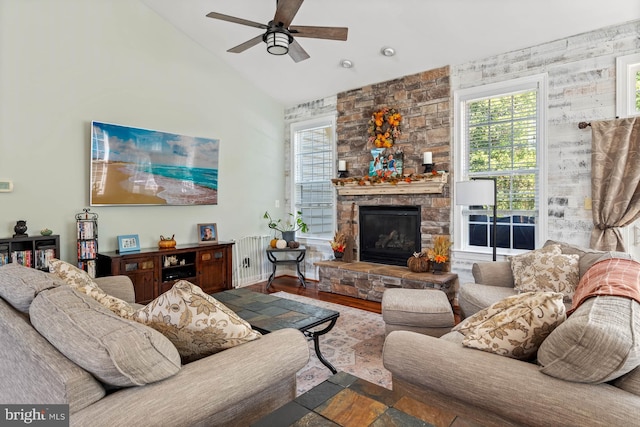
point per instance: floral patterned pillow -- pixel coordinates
(71, 274)
(195, 322)
(515, 326)
(546, 269)
(82, 282)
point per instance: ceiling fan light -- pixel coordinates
(277, 43)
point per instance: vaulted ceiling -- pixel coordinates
(425, 34)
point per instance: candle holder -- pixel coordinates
(428, 167)
(342, 169)
(427, 161)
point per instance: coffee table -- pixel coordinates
(348, 401)
(267, 313)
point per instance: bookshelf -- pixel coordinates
(87, 240)
(34, 252)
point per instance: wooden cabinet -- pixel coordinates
(32, 251)
(214, 268)
(143, 272)
(154, 271)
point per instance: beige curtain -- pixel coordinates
(615, 180)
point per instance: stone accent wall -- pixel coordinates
(423, 101)
(581, 76)
(582, 87)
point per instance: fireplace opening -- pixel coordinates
(389, 234)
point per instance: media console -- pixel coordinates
(154, 271)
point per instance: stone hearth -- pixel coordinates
(368, 280)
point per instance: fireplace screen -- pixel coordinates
(389, 234)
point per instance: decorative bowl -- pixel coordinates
(46, 232)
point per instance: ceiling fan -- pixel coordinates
(279, 36)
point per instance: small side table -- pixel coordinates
(299, 253)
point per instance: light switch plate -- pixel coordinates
(6, 186)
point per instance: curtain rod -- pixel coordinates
(583, 125)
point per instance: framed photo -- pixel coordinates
(207, 233)
(128, 243)
(386, 164)
(140, 167)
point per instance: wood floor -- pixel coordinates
(292, 285)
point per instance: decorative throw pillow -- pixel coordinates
(515, 326)
(82, 282)
(196, 323)
(117, 351)
(71, 274)
(546, 270)
(600, 341)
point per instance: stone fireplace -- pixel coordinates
(389, 234)
(423, 99)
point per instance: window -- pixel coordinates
(628, 105)
(499, 136)
(628, 85)
(314, 154)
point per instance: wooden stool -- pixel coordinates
(426, 311)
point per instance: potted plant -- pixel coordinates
(287, 228)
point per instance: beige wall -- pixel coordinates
(67, 62)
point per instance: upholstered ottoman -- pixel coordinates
(426, 311)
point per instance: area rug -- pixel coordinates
(354, 345)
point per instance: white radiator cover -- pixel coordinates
(250, 263)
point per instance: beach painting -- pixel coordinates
(132, 166)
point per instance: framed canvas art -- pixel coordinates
(386, 164)
(133, 166)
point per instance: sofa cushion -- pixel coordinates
(515, 326)
(117, 351)
(629, 382)
(474, 297)
(195, 322)
(19, 285)
(546, 269)
(588, 257)
(82, 282)
(600, 341)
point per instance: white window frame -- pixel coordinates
(301, 126)
(626, 69)
(537, 82)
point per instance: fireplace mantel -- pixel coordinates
(425, 184)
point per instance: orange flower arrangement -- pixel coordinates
(440, 251)
(338, 244)
(384, 127)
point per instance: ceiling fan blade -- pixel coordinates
(235, 20)
(286, 10)
(296, 52)
(246, 45)
(330, 33)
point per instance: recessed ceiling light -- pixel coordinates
(388, 51)
(345, 63)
